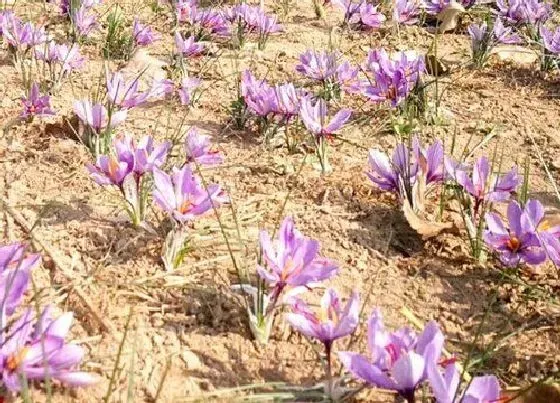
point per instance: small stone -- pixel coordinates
(192, 361)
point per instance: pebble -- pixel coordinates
(192, 362)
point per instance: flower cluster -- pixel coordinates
(34, 346)
(484, 39)
(36, 104)
(362, 14)
(393, 78)
(530, 12)
(248, 20)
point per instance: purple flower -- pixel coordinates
(434, 7)
(36, 104)
(185, 10)
(36, 349)
(199, 149)
(551, 40)
(519, 244)
(391, 176)
(69, 57)
(188, 86)
(370, 17)
(20, 35)
(187, 47)
(481, 389)
(347, 78)
(350, 8)
(160, 88)
(143, 34)
(503, 34)
(484, 186)
(96, 116)
(211, 21)
(84, 21)
(128, 158)
(396, 360)
(287, 100)
(333, 322)
(292, 259)
(15, 269)
(259, 96)
(183, 196)
(530, 12)
(320, 66)
(406, 12)
(393, 78)
(430, 161)
(314, 117)
(124, 94)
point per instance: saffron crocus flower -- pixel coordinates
(15, 269)
(84, 21)
(187, 47)
(349, 8)
(347, 78)
(143, 34)
(319, 66)
(395, 175)
(183, 196)
(36, 104)
(406, 12)
(434, 7)
(333, 322)
(188, 86)
(315, 119)
(484, 186)
(287, 100)
(185, 10)
(70, 57)
(444, 385)
(199, 149)
(123, 93)
(370, 17)
(551, 40)
(37, 350)
(504, 34)
(96, 117)
(520, 243)
(211, 22)
(396, 360)
(292, 259)
(530, 12)
(430, 161)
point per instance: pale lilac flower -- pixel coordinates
(188, 86)
(185, 10)
(392, 175)
(211, 21)
(84, 20)
(481, 389)
(48, 52)
(36, 104)
(143, 34)
(122, 93)
(396, 360)
(320, 66)
(332, 322)
(15, 269)
(482, 185)
(551, 40)
(350, 9)
(347, 78)
(504, 34)
(160, 88)
(259, 96)
(70, 57)
(199, 149)
(406, 12)
(370, 17)
(531, 12)
(430, 161)
(36, 350)
(96, 115)
(287, 100)
(21, 35)
(292, 259)
(129, 158)
(315, 119)
(183, 196)
(187, 47)
(519, 244)
(434, 7)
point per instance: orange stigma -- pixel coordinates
(514, 243)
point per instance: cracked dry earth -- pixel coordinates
(188, 327)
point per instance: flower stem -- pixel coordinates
(328, 369)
